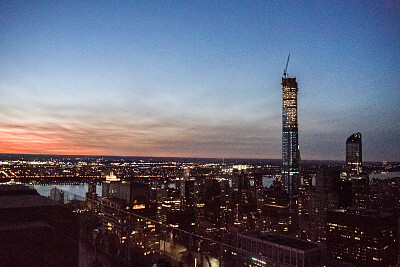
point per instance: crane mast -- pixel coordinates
(285, 74)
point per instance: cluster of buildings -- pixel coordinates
(296, 214)
(317, 214)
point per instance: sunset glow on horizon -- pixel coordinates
(183, 79)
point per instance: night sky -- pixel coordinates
(198, 78)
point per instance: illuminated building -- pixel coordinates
(275, 218)
(290, 143)
(362, 237)
(125, 197)
(134, 194)
(112, 177)
(169, 206)
(106, 184)
(354, 155)
(290, 147)
(118, 224)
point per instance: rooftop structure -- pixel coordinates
(279, 249)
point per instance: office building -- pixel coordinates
(270, 249)
(169, 206)
(354, 155)
(328, 192)
(362, 237)
(107, 183)
(360, 192)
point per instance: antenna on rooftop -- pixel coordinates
(285, 74)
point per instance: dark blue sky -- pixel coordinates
(197, 78)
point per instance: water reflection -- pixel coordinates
(75, 189)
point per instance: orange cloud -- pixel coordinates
(23, 142)
(163, 138)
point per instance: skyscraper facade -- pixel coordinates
(354, 155)
(290, 143)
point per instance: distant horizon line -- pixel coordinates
(182, 157)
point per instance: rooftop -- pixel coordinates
(25, 201)
(366, 213)
(282, 240)
(356, 137)
(20, 196)
(16, 189)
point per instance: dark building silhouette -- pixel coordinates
(92, 190)
(362, 237)
(360, 192)
(328, 192)
(57, 195)
(354, 155)
(360, 182)
(35, 231)
(275, 213)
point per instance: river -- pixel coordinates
(74, 189)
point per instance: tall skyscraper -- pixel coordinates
(354, 155)
(290, 143)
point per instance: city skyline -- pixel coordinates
(198, 80)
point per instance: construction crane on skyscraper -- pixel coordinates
(285, 70)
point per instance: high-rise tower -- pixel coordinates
(354, 155)
(290, 143)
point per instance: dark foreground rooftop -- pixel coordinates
(35, 231)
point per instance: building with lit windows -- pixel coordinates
(362, 237)
(328, 192)
(290, 143)
(169, 206)
(354, 155)
(290, 148)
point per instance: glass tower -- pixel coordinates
(290, 143)
(354, 155)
